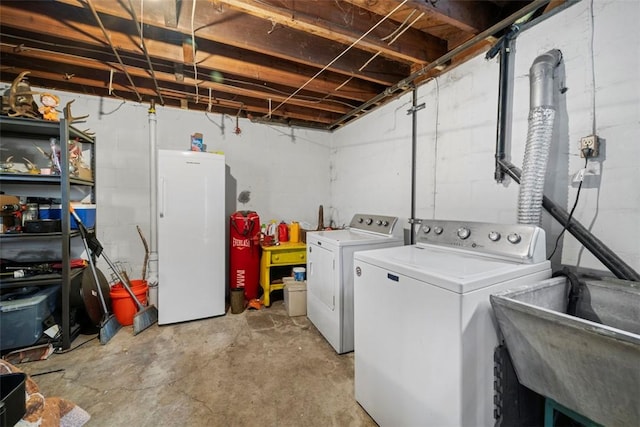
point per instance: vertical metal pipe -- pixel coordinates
(65, 219)
(502, 109)
(414, 137)
(541, 79)
(153, 196)
(504, 86)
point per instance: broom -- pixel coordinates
(109, 325)
(146, 316)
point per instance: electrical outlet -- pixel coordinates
(589, 146)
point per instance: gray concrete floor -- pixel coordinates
(260, 367)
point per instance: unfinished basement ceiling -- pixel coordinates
(306, 63)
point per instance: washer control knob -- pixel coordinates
(437, 230)
(494, 236)
(369, 221)
(514, 238)
(426, 229)
(463, 232)
(360, 220)
(378, 222)
(385, 223)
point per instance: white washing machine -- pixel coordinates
(330, 273)
(424, 328)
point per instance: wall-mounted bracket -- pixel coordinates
(416, 108)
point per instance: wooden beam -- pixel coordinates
(40, 78)
(250, 33)
(553, 4)
(445, 19)
(171, 13)
(79, 66)
(324, 19)
(83, 32)
(188, 53)
(469, 16)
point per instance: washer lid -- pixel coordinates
(347, 237)
(449, 269)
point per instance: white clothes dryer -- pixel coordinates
(424, 329)
(330, 273)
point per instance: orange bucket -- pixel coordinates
(121, 303)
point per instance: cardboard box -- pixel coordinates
(295, 298)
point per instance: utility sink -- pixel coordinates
(588, 362)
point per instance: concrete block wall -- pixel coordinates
(369, 165)
(285, 171)
(457, 133)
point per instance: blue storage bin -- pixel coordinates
(86, 212)
(22, 313)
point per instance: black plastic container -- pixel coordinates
(13, 405)
(42, 226)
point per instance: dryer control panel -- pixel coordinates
(521, 242)
(374, 223)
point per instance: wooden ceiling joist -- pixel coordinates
(312, 63)
(253, 34)
(81, 33)
(325, 22)
(77, 66)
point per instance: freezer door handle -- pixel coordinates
(393, 277)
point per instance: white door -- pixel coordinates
(323, 304)
(321, 278)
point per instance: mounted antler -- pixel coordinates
(18, 90)
(67, 113)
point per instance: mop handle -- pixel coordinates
(83, 235)
(106, 258)
(95, 277)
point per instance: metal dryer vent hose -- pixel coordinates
(541, 118)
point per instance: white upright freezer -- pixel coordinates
(191, 235)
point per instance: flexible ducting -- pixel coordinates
(540, 131)
(605, 255)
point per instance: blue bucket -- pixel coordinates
(298, 273)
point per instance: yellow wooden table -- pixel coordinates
(277, 262)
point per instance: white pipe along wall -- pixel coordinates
(456, 137)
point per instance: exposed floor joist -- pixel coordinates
(303, 63)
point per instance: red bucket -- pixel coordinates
(121, 303)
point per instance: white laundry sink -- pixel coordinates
(589, 362)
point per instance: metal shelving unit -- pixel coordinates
(21, 134)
